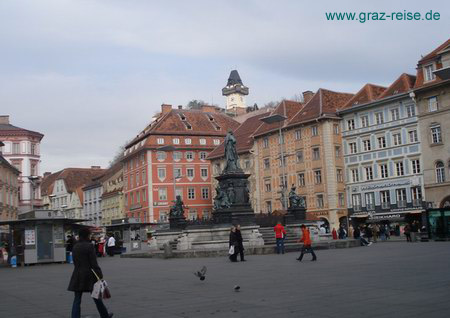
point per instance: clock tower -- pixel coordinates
(235, 92)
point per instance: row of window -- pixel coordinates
(367, 144)
(191, 193)
(299, 133)
(319, 202)
(178, 155)
(299, 155)
(383, 170)
(192, 215)
(136, 179)
(187, 141)
(301, 179)
(8, 197)
(379, 117)
(17, 151)
(385, 199)
(177, 172)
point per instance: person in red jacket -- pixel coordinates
(307, 248)
(280, 234)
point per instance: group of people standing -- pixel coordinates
(236, 242)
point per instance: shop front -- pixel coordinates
(130, 234)
(439, 223)
(38, 237)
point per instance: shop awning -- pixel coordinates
(364, 215)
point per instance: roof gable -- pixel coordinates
(286, 108)
(324, 102)
(368, 93)
(404, 83)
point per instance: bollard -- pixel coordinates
(14, 261)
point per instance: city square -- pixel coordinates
(195, 148)
(392, 279)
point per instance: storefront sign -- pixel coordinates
(30, 237)
(385, 216)
(386, 185)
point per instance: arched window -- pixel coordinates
(440, 172)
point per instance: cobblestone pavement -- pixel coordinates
(395, 279)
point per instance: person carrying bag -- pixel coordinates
(86, 274)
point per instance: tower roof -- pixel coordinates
(234, 78)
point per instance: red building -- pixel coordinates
(168, 158)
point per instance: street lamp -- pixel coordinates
(277, 118)
(34, 183)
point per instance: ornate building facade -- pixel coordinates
(22, 149)
(381, 140)
(169, 158)
(9, 192)
(432, 95)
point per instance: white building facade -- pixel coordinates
(382, 154)
(22, 149)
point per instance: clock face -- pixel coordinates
(232, 99)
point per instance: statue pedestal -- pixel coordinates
(240, 210)
(295, 215)
(177, 222)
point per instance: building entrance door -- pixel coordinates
(44, 242)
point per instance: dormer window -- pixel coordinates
(218, 127)
(428, 72)
(183, 118)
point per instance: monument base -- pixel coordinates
(237, 214)
(177, 222)
(295, 215)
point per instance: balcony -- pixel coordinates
(357, 208)
(385, 205)
(370, 207)
(401, 204)
(417, 202)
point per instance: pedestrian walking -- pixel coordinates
(342, 233)
(280, 234)
(351, 230)
(83, 278)
(240, 242)
(111, 245)
(407, 232)
(233, 242)
(307, 244)
(368, 233)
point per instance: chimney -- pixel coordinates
(307, 95)
(95, 167)
(180, 106)
(4, 119)
(208, 109)
(46, 174)
(166, 108)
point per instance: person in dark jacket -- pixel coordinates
(240, 242)
(234, 242)
(83, 279)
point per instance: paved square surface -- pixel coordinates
(383, 280)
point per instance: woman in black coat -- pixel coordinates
(240, 242)
(234, 242)
(83, 279)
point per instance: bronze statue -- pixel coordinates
(221, 199)
(231, 193)
(231, 156)
(177, 210)
(295, 201)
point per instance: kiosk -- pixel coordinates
(130, 234)
(38, 236)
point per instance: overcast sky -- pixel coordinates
(89, 74)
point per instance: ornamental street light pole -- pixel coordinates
(33, 183)
(276, 118)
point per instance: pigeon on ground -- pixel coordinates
(237, 288)
(201, 273)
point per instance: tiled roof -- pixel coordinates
(286, 108)
(74, 179)
(433, 54)
(111, 171)
(188, 122)
(427, 59)
(8, 130)
(404, 83)
(368, 93)
(324, 102)
(243, 135)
